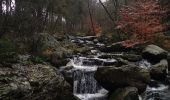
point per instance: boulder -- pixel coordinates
(159, 71)
(112, 78)
(128, 93)
(46, 45)
(33, 82)
(132, 57)
(67, 72)
(117, 47)
(154, 54)
(42, 41)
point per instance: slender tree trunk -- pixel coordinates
(108, 13)
(91, 18)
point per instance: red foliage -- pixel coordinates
(142, 19)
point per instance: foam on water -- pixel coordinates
(85, 86)
(161, 92)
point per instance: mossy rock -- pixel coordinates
(128, 93)
(33, 82)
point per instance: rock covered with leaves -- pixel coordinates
(28, 81)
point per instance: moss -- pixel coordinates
(7, 45)
(39, 59)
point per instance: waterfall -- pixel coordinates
(83, 69)
(84, 85)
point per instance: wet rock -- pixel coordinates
(129, 57)
(67, 72)
(107, 56)
(132, 57)
(99, 62)
(128, 93)
(33, 82)
(154, 83)
(168, 58)
(88, 38)
(154, 53)
(112, 78)
(118, 47)
(159, 71)
(59, 58)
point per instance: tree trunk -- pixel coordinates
(108, 13)
(91, 19)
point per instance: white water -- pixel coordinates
(85, 86)
(161, 92)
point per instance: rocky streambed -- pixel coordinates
(117, 73)
(85, 68)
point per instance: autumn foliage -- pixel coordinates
(142, 20)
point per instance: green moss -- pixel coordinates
(7, 45)
(39, 59)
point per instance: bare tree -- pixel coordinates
(108, 13)
(91, 18)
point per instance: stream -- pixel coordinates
(83, 68)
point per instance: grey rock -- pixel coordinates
(33, 82)
(128, 93)
(112, 78)
(159, 71)
(154, 54)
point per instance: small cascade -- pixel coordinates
(84, 82)
(85, 86)
(82, 67)
(144, 64)
(160, 92)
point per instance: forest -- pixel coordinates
(84, 49)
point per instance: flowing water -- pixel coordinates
(86, 87)
(159, 92)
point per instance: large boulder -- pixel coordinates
(42, 41)
(46, 45)
(128, 93)
(54, 49)
(33, 82)
(159, 71)
(112, 78)
(154, 54)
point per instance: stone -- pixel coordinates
(33, 82)
(132, 57)
(168, 58)
(128, 93)
(112, 78)
(159, 71)
(154, 54)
